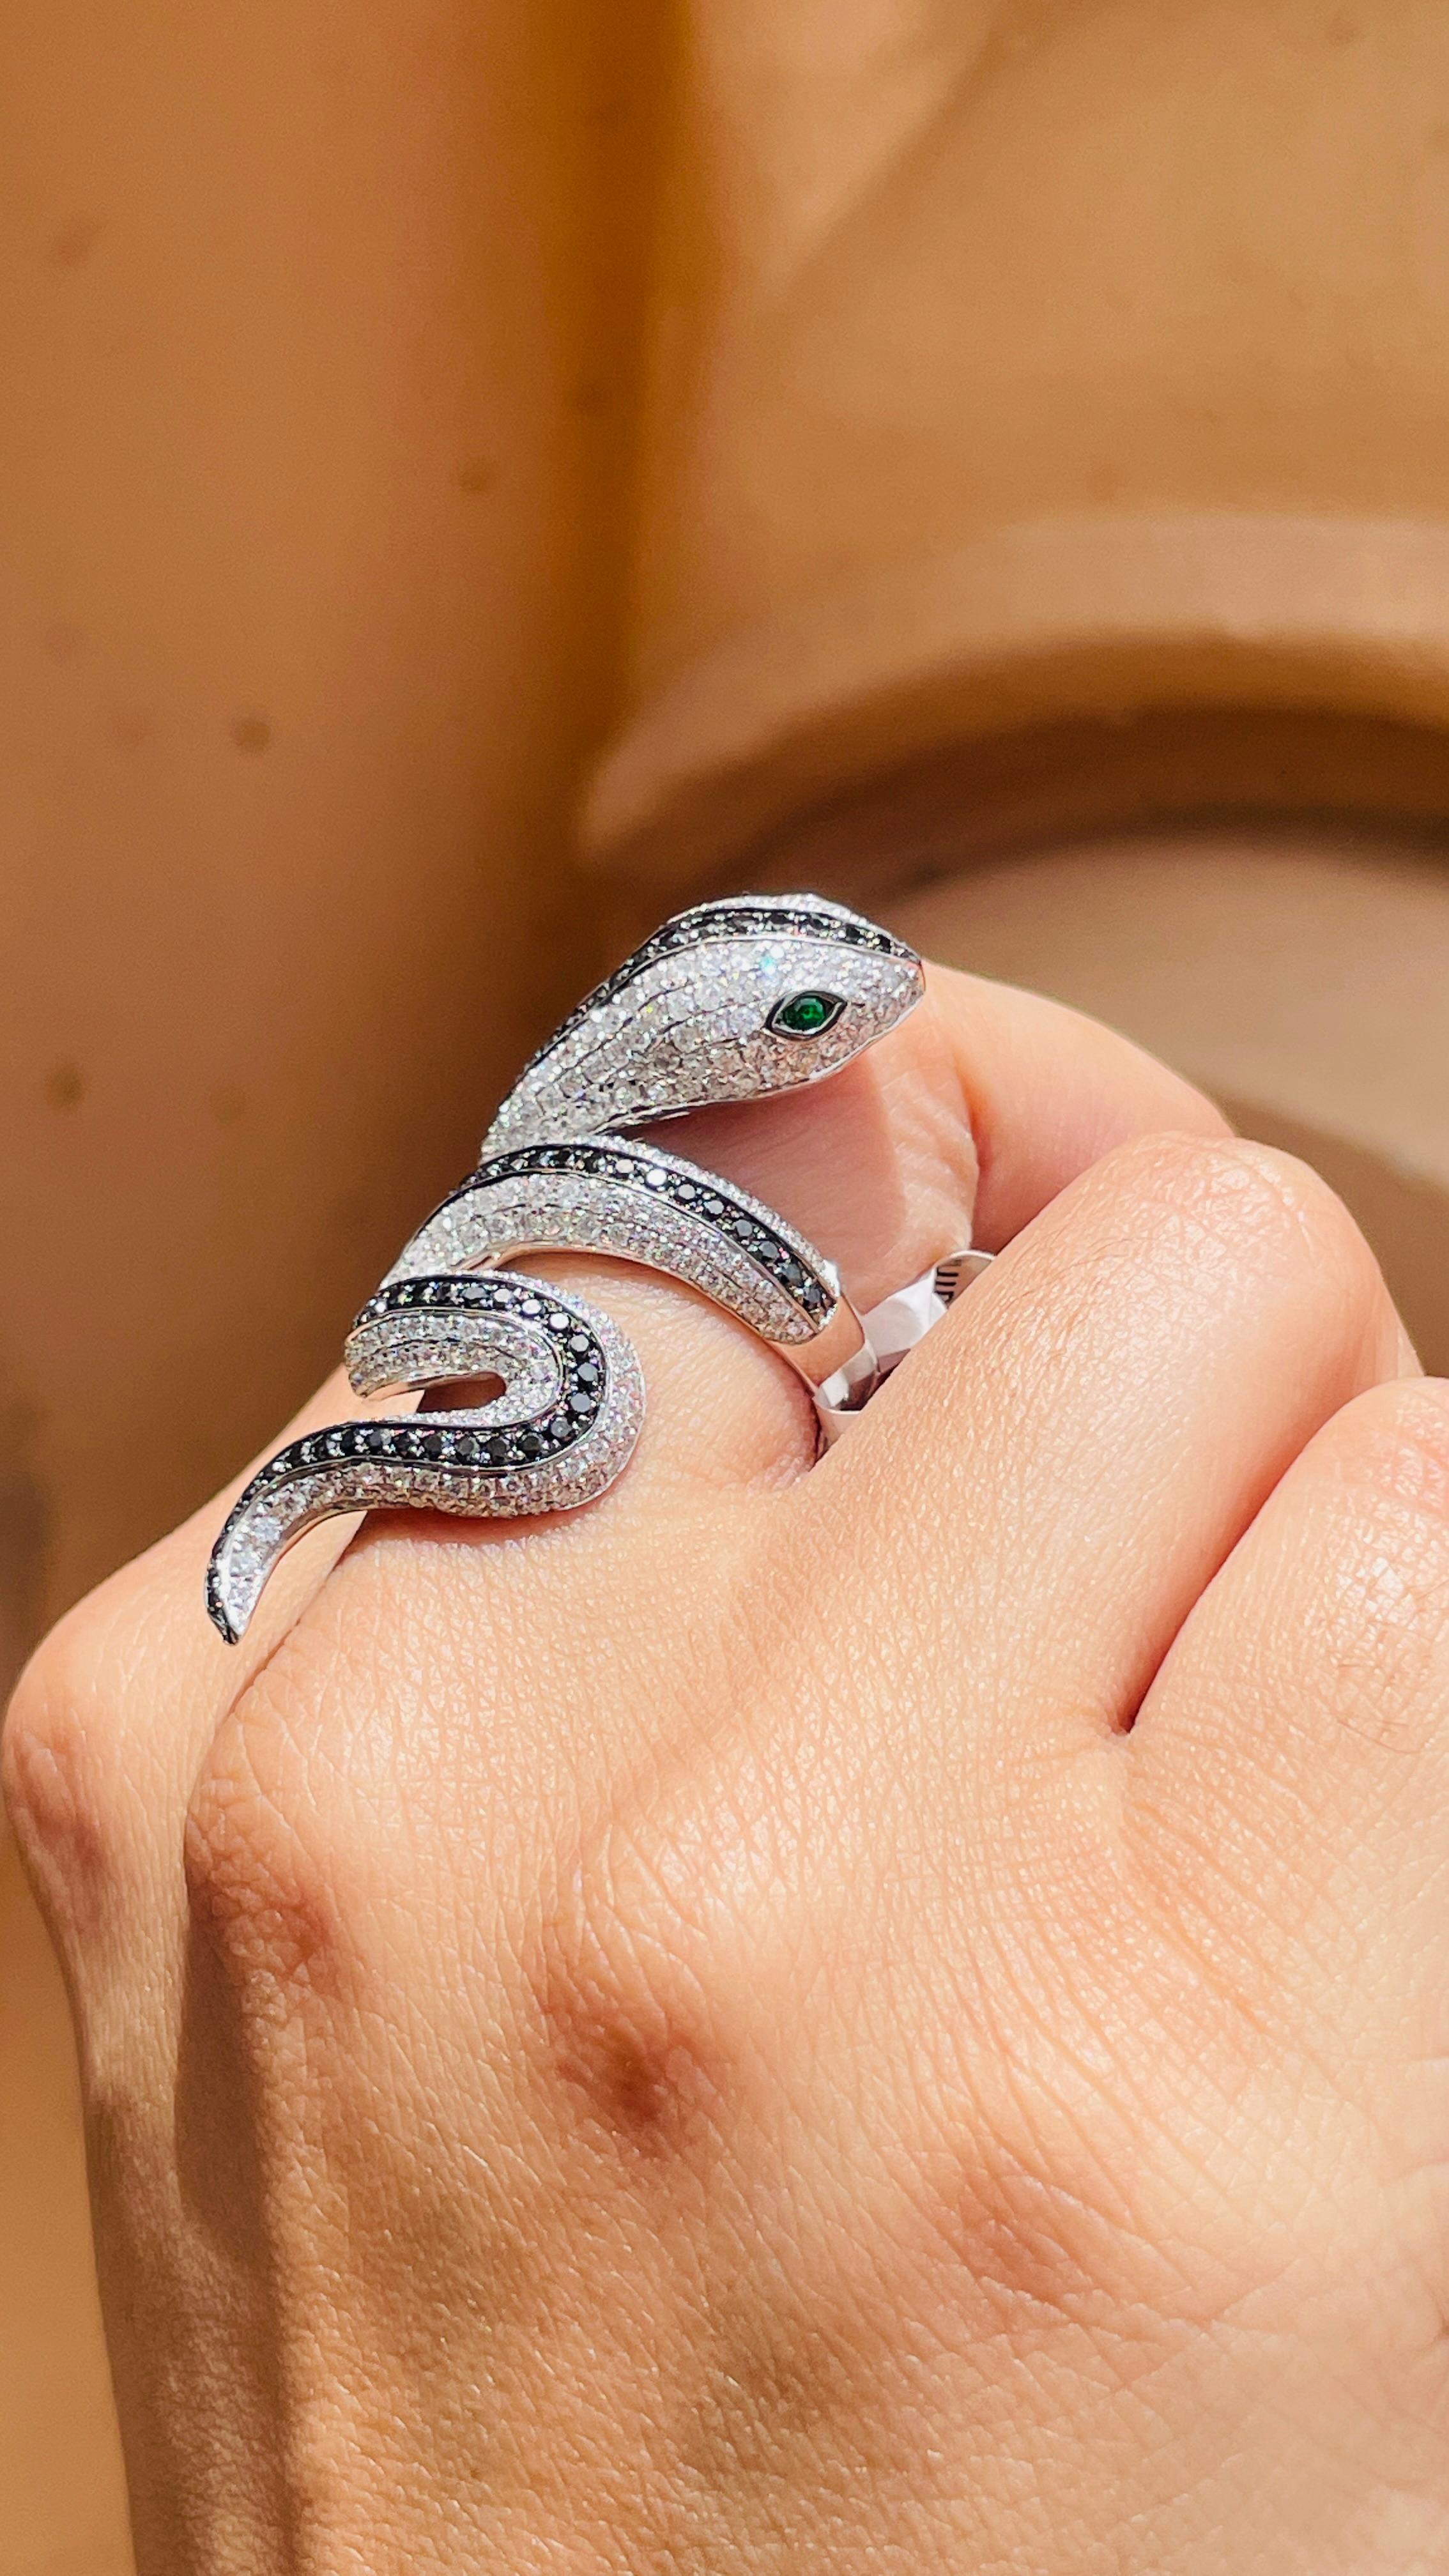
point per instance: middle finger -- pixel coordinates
(1051, 1481)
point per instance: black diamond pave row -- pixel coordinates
(732, 921)
(583, 1368)
(697, 1195)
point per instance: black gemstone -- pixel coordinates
(530, 1444)
(496, 1451)
(431, 1443)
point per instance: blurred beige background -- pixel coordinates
(476, 476)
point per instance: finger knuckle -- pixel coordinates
(1395, 1440)
(63, 1765)
(1373, 1537)
(1259, 1213)
(645, 1988)
(1386, 1616)
(271, 1884)
(1256, 1190)
(626, 2046)
(1039, 2231)
(1281, 1195)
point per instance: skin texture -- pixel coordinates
(881, 2018)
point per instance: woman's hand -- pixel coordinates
(891, 2018)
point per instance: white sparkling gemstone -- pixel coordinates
(682, 1025)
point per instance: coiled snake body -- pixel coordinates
(730, 1001)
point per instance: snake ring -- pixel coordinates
(730, 1001)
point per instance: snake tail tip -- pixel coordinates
(218, 1613)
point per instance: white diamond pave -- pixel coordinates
(636, 1204)
(687, 1021)
(565, 1425)
(731, 1001)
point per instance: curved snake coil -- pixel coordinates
(731, 1001)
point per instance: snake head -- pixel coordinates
(732, 1000)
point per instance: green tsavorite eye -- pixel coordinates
(805, 1015)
